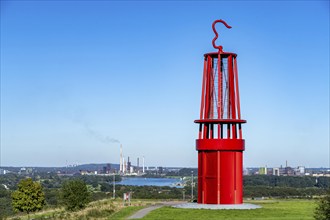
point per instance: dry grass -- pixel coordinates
(102, 209)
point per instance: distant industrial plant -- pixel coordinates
(288, 171)
(126, 167)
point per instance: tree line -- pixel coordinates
(286, 181)
(51, 186)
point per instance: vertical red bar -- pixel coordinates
(211, 177)
(227, 177)
(200, 176)
(204, 178)
(228, 89)
(220, 105)
(211, 115)
(207, 92)
(238, 104)
(232, 96)
(209, 88)
(239, 177)
(237, 89)
(231, 87)
(203, 89)
(218, 178)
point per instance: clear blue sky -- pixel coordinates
(79, 77)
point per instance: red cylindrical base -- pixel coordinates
(220, 177)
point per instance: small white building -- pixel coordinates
(276, 171)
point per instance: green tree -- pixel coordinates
(74, 194)
(5, 202)
(29, 196)
(322, 211)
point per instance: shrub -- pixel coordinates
(74, 194)
(322, 211)
(29, 196)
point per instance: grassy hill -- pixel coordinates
(109, 209)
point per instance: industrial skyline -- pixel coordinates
(79, 78)
(126, 167)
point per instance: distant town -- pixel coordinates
(127, 169)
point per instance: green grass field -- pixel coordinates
(271, 209)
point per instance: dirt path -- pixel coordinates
(143, 212)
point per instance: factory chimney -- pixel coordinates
(143, 164)
(128, 166)
(124, 165)
(121, 159)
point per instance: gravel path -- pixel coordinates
(143, 212)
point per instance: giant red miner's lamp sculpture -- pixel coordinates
(220, 144)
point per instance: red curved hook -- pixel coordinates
(216, 33)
